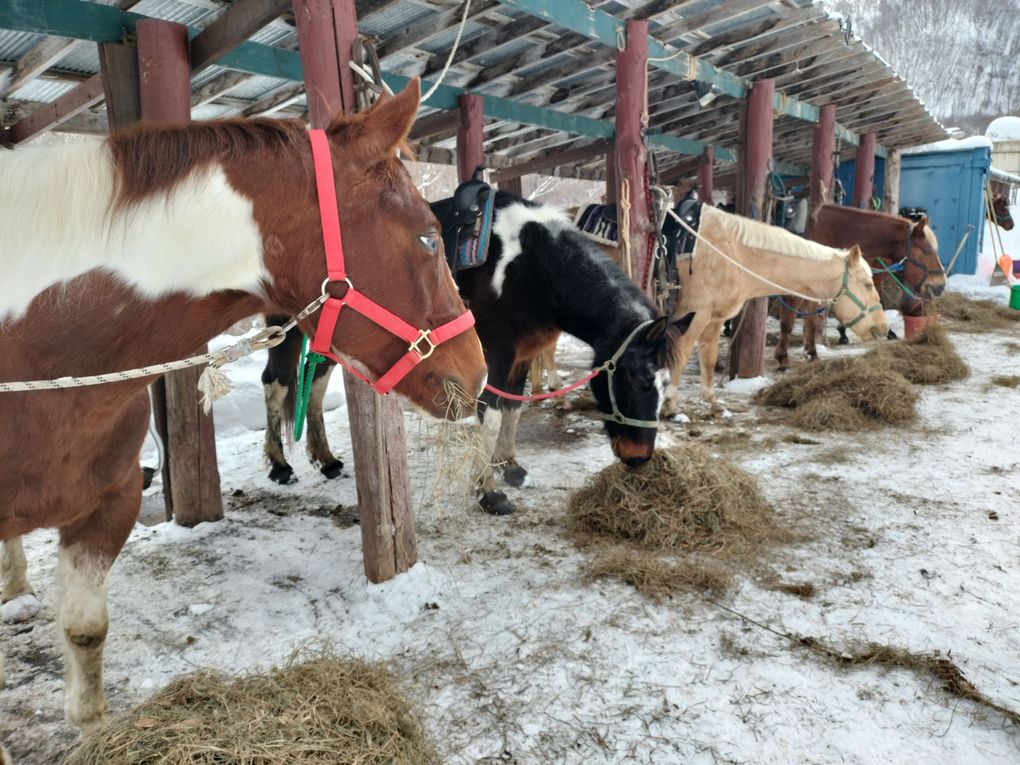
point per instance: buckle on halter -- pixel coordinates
(423, 335)
(327, 280)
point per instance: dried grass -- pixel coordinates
(975, 315)
(843, 394)
(320, 710)
(928, 358)
(1006, 381)
(683, 502)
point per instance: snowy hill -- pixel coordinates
(959, 55)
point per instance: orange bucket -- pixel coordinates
(912, 325)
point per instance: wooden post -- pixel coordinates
(470, 148)
(864, 174)
(513, 185)
(119, 66)
(631, 155)
(377, 422)
(612, 185)
(891, 197)
(823, 144)
(706, 180)
(747, 351)
(191, 479)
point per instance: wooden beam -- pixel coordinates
(747, 350)
(237, 23)
(118, 64)
(217, 87)
(864, 172)
(823, 144)
(377, 422)
(545, 161)
(191, 479)
(470, 148)
(36, 61)
(706, 187)
(47, 116)
(891, 195)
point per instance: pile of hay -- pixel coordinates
(928, 358)
(976, 315)
(683, 501)
(843, 394)
(324, 710)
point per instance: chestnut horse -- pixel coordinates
(139, 249)
(736, 259)
(903, 255)
(1000, 209)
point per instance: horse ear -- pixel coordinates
(657, 328)
(918, 230)
(854, 257)
(387, 124)
(683, 324)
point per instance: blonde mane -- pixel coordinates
(762, 236)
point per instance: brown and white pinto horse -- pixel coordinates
(903, 255)
(139, 249)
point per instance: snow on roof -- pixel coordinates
(1004, 129)
(1004, 177)
(951, 144)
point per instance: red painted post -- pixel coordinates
(823, 145)
(612, 186)
(747, 351)
(864, 174)
(378, 439)
(705, 176)
(470, 146)
(191, 479)
(631, 155)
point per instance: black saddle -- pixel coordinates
(679, 241)
(460, 217)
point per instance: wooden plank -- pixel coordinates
(192, 481)
(377, 423)
(470, 148)
(237, 23)
(891, 195)
(864, 172)
(747, 351)
(36, 61)
(47, 116)
(706, 187)
(545, 161)
(118, 64)
(823, 144)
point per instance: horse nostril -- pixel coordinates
(635, 461)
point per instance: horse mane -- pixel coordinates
(762, 236)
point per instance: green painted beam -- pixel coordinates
(687, 146)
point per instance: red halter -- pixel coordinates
(357, 301)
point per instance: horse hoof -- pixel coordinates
(495, 503)
(20, 609)
(844, 340)
(892, 336)
(282, 474)
(515, 475)
(147, 475)
(333, 469)
(783, 368)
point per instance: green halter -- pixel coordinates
(863, 309)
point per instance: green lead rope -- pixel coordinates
(306, 373)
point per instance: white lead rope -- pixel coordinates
(213, 383)
(782, 290)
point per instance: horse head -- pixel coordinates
(858, 305)
(922, 270)
(630, 392)
(394, 257)
(1003, 216)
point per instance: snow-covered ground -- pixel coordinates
(910, 536)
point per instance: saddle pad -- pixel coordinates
(474, 248)
(593, 221)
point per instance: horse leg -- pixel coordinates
(87, 550)
(787, 319)
(843, 339)
(549, 362)
(491, 500)
(535, 375)
(505, 454)
(18, 598)
(814, 326)
(685, 348)
(317, 444)
(708, 351)
(280, 373)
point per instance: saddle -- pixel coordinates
(599, 222)
(467, 229)
(679, 241)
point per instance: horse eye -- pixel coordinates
(430, 241)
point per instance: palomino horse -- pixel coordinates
(139, 249)
(903, 255)
(1000, 208)
(542, 276)
(736, 259)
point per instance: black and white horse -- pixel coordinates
(540, 277)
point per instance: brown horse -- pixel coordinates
(903, 255)
(736, 259)
(139, 249)
(1000, 208)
